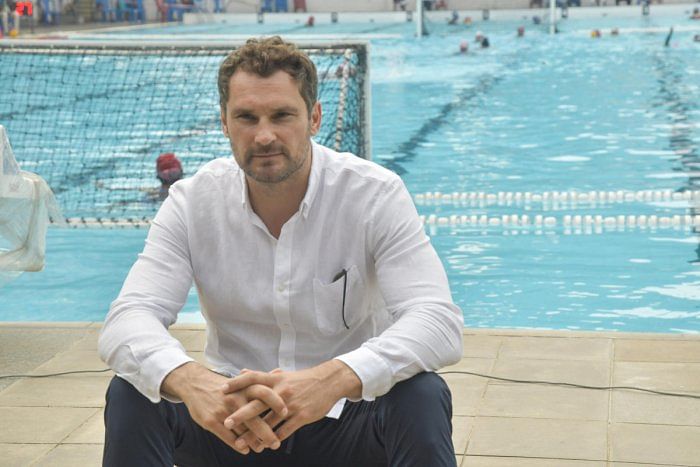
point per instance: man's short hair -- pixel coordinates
(264, 57)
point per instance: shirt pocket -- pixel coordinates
(328, 303)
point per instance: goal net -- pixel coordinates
(91, 118)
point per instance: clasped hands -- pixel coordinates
(258, 410)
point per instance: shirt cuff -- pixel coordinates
(156, 367)
(373, 372)
(337, 409)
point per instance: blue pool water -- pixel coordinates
(527, 115)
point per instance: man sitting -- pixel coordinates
(327, 308)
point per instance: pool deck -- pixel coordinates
(57, 421)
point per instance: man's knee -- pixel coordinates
(423, 386)
(416, 421)
(122, 392)
(137, 431)
(130, 414)
(126, 406)
(424, 392)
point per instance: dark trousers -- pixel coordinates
(410, 426)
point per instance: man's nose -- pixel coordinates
(265, 135)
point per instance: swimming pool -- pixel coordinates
(534, 115)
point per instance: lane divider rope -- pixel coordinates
(505, 221)
(515, 221)
(502, 198)
(101, 223)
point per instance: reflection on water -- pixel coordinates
(680, 100)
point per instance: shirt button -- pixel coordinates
(281, 288)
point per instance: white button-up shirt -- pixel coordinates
(273, 302)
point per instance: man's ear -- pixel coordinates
(316, 115)
(224, 129)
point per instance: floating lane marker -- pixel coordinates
(554, 198)
(567, 221)
(504, 222)
(101, 223)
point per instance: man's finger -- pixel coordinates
(239, 430)
(261, 431)
(242, 381)
(252, 409)
(273, 419)
(268, 397)
(228, 437)
(249, 439)
(289, 427)
(262, 399)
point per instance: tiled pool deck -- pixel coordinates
(57, 421)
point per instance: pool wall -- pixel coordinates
(516, 11)
(388, 5)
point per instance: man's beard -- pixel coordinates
(291, 167)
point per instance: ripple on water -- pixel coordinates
(649, 152)
(670, 175)
(688, 291)
(647, 312)
(569, 159)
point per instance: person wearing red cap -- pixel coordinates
(463, 47)
(168, 171)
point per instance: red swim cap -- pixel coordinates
(168, 168)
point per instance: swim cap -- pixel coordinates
(168, 168)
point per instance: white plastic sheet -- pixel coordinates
(26, 202)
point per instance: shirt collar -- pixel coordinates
(244, 186)
(314, 176)
(311, 188)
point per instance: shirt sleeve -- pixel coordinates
(134, 340)
(426, 333)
